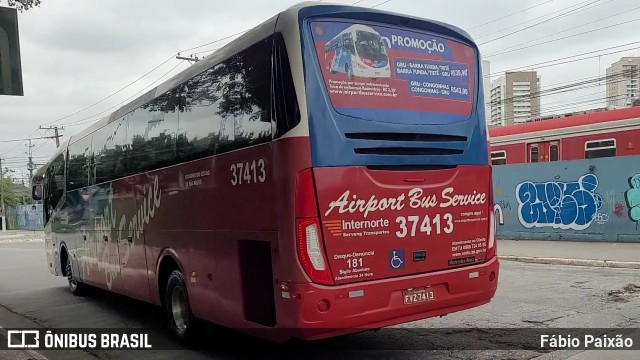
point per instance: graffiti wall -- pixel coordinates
(585, 200)
(25, 217)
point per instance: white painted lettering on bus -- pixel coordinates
(99, 252)
(429, 45)
(352, 203)
(248, 172)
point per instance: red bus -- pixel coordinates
(259, 190)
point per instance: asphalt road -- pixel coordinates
(529, 296)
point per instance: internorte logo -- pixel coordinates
(349, 227)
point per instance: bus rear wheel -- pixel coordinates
(177, 306)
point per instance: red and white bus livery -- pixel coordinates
(262, 191)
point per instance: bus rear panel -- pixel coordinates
(394, 222)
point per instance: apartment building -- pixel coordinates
(623, 82)
(513, 98)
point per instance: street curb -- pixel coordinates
(574, 262)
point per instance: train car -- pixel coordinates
(607, 133)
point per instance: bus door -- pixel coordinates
(544, 151)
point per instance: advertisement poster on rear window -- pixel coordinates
(368, 68)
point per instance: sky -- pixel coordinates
(76, 53)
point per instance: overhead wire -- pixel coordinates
(624, 12)
(536, 65)
(93, 118)
(509, 15)
(552, 111)
(558, 39)
(157, 67)
(112, 94)
(519, 26)
(578, 85)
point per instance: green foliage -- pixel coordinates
(9, 191)
(22, 5)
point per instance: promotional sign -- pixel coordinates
(369, 67)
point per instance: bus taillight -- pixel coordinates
(309, 244)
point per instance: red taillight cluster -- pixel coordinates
(309, 244)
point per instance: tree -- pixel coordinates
(9, 190)
(22, 5)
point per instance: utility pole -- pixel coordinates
(56, 136)
(3, 221)
(30, 165)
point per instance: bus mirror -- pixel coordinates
(36, 192)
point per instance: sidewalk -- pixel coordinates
(10, 236)
(598, 254)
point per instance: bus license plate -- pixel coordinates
(418, 295)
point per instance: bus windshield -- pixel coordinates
(395, 75)
(370, 47)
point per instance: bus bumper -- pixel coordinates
(328, 311)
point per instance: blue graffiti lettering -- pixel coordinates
(560, 205)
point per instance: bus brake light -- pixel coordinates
(309, 242)
(309, 246)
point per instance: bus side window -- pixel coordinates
(80, 172)
(226, 107)
(54, 185)
(285, 110)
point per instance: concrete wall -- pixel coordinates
(584, 200)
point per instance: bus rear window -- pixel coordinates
(386, 74)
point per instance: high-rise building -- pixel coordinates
(486, 84)
(623, 82)
(514, 98)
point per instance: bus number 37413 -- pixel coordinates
(248, 172)
(425, 227)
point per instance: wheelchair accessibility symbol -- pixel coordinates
(396, 259)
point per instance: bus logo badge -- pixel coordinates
(396, 259)
(334, 227)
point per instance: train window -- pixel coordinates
(533, 154)
(553, 152)
(498, 157)
(599, 148)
